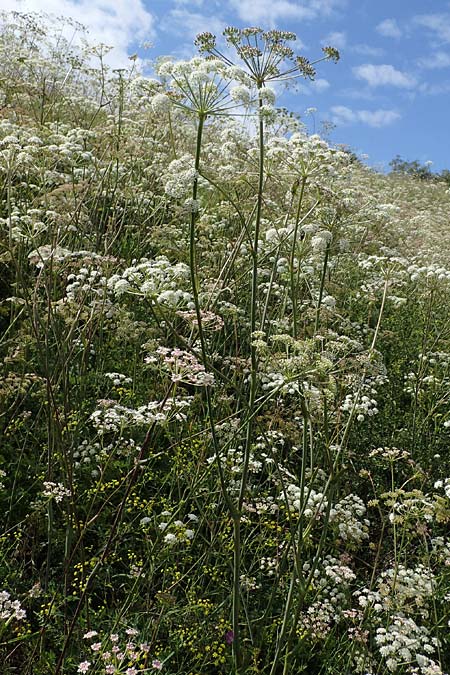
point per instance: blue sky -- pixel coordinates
(389, 94)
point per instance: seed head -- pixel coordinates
(205, 42)
(305, 67)
(331, 53)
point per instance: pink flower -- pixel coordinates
(156, 664)
(90, 634)
(229, 637)
(84, 667)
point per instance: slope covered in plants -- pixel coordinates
(224, 393)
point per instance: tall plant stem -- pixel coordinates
(294, 245)
(251, 403)
(253, 308)
(322, 286)
(235, 513)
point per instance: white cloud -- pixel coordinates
(119, 24)
(196, 3)
(378, 118)
(189, 24)
(435, 89)
(389, 28)
(439, 24)
(378, 76)
(268, 12)
(319, 85)
(336, 39)
(367, 50)
(436, 60)
(343, 116)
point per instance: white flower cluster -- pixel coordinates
(177, 532)
(233, 462)
(248, 583)
(2, 475)
(371, 599)
(432, 271)
(114, 418)
(410, 589)
(331, 581)
(118, 379)
(55, 491)
(305, 155)
(114, 654)
(203, 84)
(160, 103)
(445, 485)
(389, 454)
(348, 515)
(312, 503)
(268, 566)
(241, 94)
(158, 280)
(441, 359)
(273, 381)
(260, 505)
(440, 548)
(268, 113)
(363, 406)
(10, 609)
(404, 642)
(210, 321)
(321, 240)
(94, 454)
(183, 367)
(19, 147)
(46, 252)
(87, 281)
(180, 176)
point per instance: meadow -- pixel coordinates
(224, 374)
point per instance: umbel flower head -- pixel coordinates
(266, 55)
(201, 86)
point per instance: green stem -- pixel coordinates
(322, 285)
(172, 138)
(251, 402)
(292, 260)
(253, 308)
(235, 513)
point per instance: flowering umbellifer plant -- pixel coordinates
(266, 55)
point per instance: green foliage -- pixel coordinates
(418, 170)
(224, 377)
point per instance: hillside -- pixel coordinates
(224, 384)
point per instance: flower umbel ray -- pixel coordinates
(266, 55)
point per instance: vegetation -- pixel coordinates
(418, 170)
(224, 393)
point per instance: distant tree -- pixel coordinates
(414, 168)
(445, 176)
